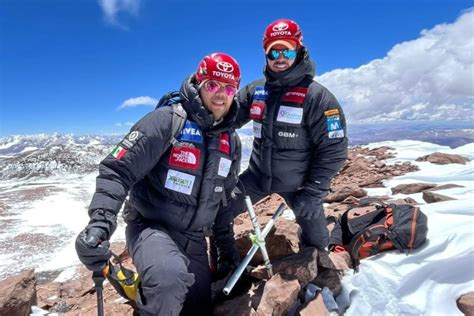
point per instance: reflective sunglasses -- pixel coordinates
(287, 53)
(213, 86)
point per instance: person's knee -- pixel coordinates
(171, 277)
(163, 289)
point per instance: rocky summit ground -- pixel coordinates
(294, 267)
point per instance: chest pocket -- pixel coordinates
(289, 130)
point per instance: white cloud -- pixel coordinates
(112, 9)
(133, 102)
(430, 78)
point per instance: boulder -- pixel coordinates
(279, 296)
(431, 197)
(18, 294)
(302, 266)
(443, 159)
(412, 188)
(341, 192)
(315, 307)
(282, 241)
(466, 304)
(329, 275)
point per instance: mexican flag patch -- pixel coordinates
(118, 152)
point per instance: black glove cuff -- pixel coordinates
(104, 219)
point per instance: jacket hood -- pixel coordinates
(301, 69)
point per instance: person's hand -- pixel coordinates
(307, 206)
(227, 261)
(93, 248)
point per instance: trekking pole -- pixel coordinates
(260, 240)
(240, 269)
(98, 278)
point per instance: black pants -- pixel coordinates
(314, 231)
(173, 268)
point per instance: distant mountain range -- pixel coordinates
(27, 156)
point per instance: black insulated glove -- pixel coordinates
(93, 248)
(92, 245)
(307, 206)
(227, 260)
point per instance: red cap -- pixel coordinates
(283, 31)
(220, 67)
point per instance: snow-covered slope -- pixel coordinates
(429, 280)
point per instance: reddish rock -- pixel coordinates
(243, 304)
(18, 294)
(279, 296)
(412, 188)
(431, 197)
(343, 191)
(340, 261)
(282, 241)
(443, 159)
(328, 274)
(302, 266)
(466, 304)
(365, 168)
(379, 164)
(315, 307)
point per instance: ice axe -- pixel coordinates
(258, 243)
(98, 278)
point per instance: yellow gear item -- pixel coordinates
(124, 281)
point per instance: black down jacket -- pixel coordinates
(299, 128)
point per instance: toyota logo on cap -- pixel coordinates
(282, 26)
(225, 66)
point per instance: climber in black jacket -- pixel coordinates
(299, 129)
(178, 192)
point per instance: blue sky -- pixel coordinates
(70, 66)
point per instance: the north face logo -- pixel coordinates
(256, 110)
(185, 157)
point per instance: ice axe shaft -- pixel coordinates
(240, 269)
(98, 278)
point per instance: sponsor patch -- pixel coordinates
(224, 167)
(256, 110)
(331, 112)
(224, 145)
(190, 132)
(185, 157)
(336, 134)
(257, 129)
(179, 181)
(287, 134)
(131, 139)
(290, 114)
(333, 123)
(218, 189)
(260, 94)
(295, 95)
(118, 152)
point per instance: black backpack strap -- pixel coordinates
(372, 233)
(179, 118)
